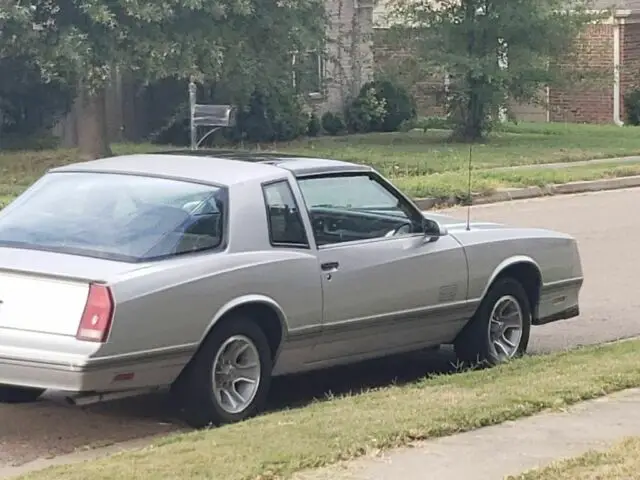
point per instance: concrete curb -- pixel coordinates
(535, 192)
(562, 165)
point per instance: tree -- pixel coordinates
(83, 41)
(491, 50)
(29, 104)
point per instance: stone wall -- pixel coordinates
(349, 62)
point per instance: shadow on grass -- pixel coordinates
(297, 391)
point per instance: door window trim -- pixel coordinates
(403, 200)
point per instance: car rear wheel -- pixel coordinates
(500, 328)
(228, 380)
(9, 394)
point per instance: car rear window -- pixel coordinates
(119, 217)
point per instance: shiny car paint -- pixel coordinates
(389, 295)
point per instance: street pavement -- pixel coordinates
(604, 224)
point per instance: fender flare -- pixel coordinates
(506, 263)
(250, 299)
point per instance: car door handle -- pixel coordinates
(329, 266)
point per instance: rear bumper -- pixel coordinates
(94, 375)
(33, 373)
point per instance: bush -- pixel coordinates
(381, 106)
(38, 141)
(266, 117)
(367, 112)
(632, 107)
(270, 117)
(427, 123)
(400, 105)
(332, 123)
(29, 105)
(314, 127)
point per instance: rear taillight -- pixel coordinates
(97, 315)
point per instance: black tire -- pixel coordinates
(194, 389)
(9, 394)
(474, 346)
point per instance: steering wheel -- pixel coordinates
(403, 229)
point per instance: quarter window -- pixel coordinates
(283, 215)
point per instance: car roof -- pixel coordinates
(224, 167)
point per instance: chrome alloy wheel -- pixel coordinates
(236, 374)
(505, 327)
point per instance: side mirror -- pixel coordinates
(433, 230)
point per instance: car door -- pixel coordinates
(384, 290)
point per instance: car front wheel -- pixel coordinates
(499, 330)
(9, 394)
(228, 380)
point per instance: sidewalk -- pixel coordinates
(580, 163)
(493, 453)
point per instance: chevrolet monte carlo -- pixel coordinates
(208, 275)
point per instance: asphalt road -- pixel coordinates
(604, 224)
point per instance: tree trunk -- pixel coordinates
(93, 141)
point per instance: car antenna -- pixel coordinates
(469, 191)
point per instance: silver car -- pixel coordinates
(210, 275)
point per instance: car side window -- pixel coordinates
(283, 216)
(353, 207)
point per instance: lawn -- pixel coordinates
(424, 164)
(422, 153)
(620, 462)
(278, 444)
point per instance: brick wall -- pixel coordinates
(592, 104)
(392, 61)
(428, 92)
(629, 61)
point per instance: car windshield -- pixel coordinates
(119, 217)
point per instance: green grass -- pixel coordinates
(419, 153)
(422, 164)
(278, 444)
(448, 184)
(622, 461)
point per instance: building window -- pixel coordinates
(309, 73)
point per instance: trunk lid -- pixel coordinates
(47, 292)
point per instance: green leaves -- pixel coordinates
(210, 39)
(492, 49)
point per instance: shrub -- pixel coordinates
(332, 123)
(400, 105)
(381, 106)
(367, 112)
(266, 117)
(273, 116)
(42, 140)
(632, 107)
(314, 127)
(29, 105)
(427, 123)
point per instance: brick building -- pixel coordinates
(612, 46)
